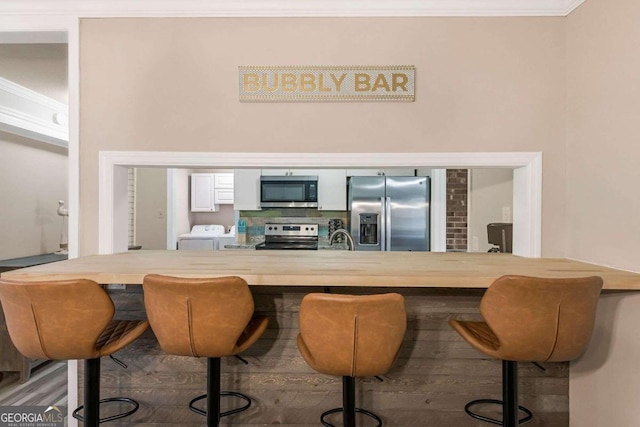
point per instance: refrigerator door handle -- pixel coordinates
(383, 224)
(387, 217)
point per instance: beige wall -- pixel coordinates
(488, 84)
(603, 205)
(33, 175)
(151, 208)
(39, 67)
(603, 105)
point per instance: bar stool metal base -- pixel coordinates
(214, 394)
(222, 394)
(467, 408)
(509, 402)
(92, 401)
(136, 405)
(357, 410)
(349, 409)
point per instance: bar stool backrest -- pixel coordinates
(538, 319)
(56, 320)
(198, 317)
(349, 335)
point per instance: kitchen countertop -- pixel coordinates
(241, 246)
(324, 268)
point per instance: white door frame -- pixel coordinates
(57, 28)
(527, 184)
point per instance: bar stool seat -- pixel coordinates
(208, 317)
(351, 336)
(530, 319)
(68, 320)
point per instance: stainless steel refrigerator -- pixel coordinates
(390, 213)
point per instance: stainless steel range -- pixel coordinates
(290, 236)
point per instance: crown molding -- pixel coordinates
(288, 8)
(30, 114)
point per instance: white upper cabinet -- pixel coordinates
(224, 180)
(381, 172)
(290, 172)
(246, 189)
(208, 190)
(202, 192)
(332, 189)
(223, 192)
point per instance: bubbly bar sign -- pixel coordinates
(296, 84)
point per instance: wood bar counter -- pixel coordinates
(436, 372)
(325, 268)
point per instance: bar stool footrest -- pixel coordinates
(136, 405)
(467, 408)
(222, 394)
(358, 410)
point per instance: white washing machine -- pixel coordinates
(204, 237)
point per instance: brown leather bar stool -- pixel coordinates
(66, 320)
(530, 319)
(210, 318)
(351, 336)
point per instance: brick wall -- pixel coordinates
(457, 210)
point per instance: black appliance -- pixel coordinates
(290, 237)
(289, 191)
(501, 235)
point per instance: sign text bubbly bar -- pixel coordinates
(317, 83)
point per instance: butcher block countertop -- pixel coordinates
(324, 268)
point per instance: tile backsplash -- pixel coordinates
(257, 219)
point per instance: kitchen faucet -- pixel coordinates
(344, 232)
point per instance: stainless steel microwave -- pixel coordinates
(289, 191)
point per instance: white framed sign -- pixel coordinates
(326, 83)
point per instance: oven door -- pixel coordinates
(289, 191)
(309, 243)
